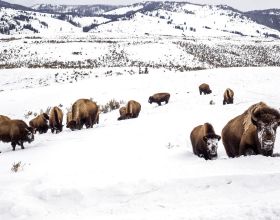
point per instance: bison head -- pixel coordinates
(266, 122)
(211, 141)
(29, 134)
(150, 100)
(72, 125)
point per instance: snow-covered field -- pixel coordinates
(141, 168)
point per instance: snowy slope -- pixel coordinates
(152, 18)
(173, 18)
(16, 22)
(141, 168)
(86, 50)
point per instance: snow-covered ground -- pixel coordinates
(141, 168)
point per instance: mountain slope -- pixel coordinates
(185, 19)
(269, 18)
(14, 6)
(147, 18)
(81, 10)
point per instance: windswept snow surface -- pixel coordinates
(141, 168)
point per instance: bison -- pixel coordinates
(228, 96)
(17, 132)
(159, 98)
(4, 118)
(252, 132)
(205, 89)
(40, 123)
(122, 112)
(205, 141)
(131, 110)
(56, 118)
(84, 112)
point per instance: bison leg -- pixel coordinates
(79, 124)
(21, 145)
(14, 146)
(159, 103)
(249, 152)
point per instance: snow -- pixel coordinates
(86, 21)
(124, 9)
(141, 168)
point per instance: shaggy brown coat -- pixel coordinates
(17, 132)
(199, 137)
(205, 89)
(56, 119)
(249, 132)
(4, 118)
(159, 97)
(84, 112)
(228, 96)
(40, 123)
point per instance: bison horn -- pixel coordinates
(253, 116)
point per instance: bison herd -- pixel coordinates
(252, 132)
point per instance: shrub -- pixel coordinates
(16, 167)
(110, 106)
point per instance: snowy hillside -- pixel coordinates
(87, 50)
(28, 22)
(269, 18)
(141, 19)
(81, 10)
(174, 18)
(141, 168)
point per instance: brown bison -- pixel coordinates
(40, 123)
(132, 110)
(228, 96)
(205, 89)
(122, 111)
(4, 118)
(84, 112)
(205, 141)
(252, 132)
(159, 98)
(17, 132)
(56, 118)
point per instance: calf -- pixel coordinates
(205, 141)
